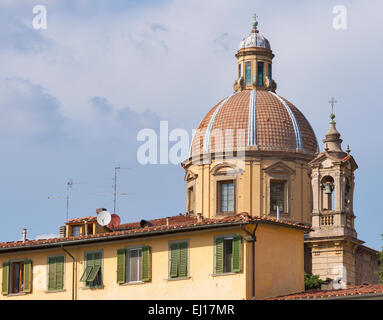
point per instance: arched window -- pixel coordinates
(248, 73)
(269, 72)
(260, 74)
(327, 186)
(347, 194)
(239, 71)
(191, 200)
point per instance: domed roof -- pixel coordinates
(261, 118)
(255, 40)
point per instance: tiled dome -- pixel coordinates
(261, 118)
(255, 40)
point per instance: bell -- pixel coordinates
(327, 189)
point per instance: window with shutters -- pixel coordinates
(227, 254)
(17, 277)
(133, 265)
(92, 276)
(178, 260)
(56, 273)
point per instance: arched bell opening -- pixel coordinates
(327, 193)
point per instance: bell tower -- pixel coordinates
(333, 241)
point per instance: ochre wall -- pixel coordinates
(285, 246)
(279, 260)
(252, 188)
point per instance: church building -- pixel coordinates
(263, 206)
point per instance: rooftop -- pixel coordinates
(178, 223)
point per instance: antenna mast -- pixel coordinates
(116, 169)
(69, 187)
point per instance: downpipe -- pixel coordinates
(252, 239)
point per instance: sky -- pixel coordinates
(74, 96)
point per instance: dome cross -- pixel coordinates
(332, 102)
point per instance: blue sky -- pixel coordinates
(74, 96)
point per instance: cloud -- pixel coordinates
(30, 111)
(101, 105)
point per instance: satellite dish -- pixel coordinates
(115, 223)
(104, 218)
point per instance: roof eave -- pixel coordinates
(143, 234)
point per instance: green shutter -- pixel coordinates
(219, 255)
(174, 257)
(93, 273)
(146, 264)
(237, 254)
(183, 260)
(93, 267)
(59, 273)
(5, 286)
(86, 273)
(27, 281)
(52, 273)
(121, 254)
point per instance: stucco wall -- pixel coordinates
(252, 187)
(279, 268)
(287, 276)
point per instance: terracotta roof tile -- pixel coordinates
(350, 291)
(274, 125)
(79, 220)
(175, 223)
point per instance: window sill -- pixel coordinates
(16, 294)
(133, 283)
(224, 274)
(93, 288)
(177, 279)
(55, 291)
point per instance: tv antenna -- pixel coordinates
(69, 184)
(115, 189)
(115, 194)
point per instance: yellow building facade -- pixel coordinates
(202, 280)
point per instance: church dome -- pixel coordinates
(261, 119)
(255, 40)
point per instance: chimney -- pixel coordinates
(167, 222)
(62, 231)
(199, 217)
(86, 227)
(24, 235)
